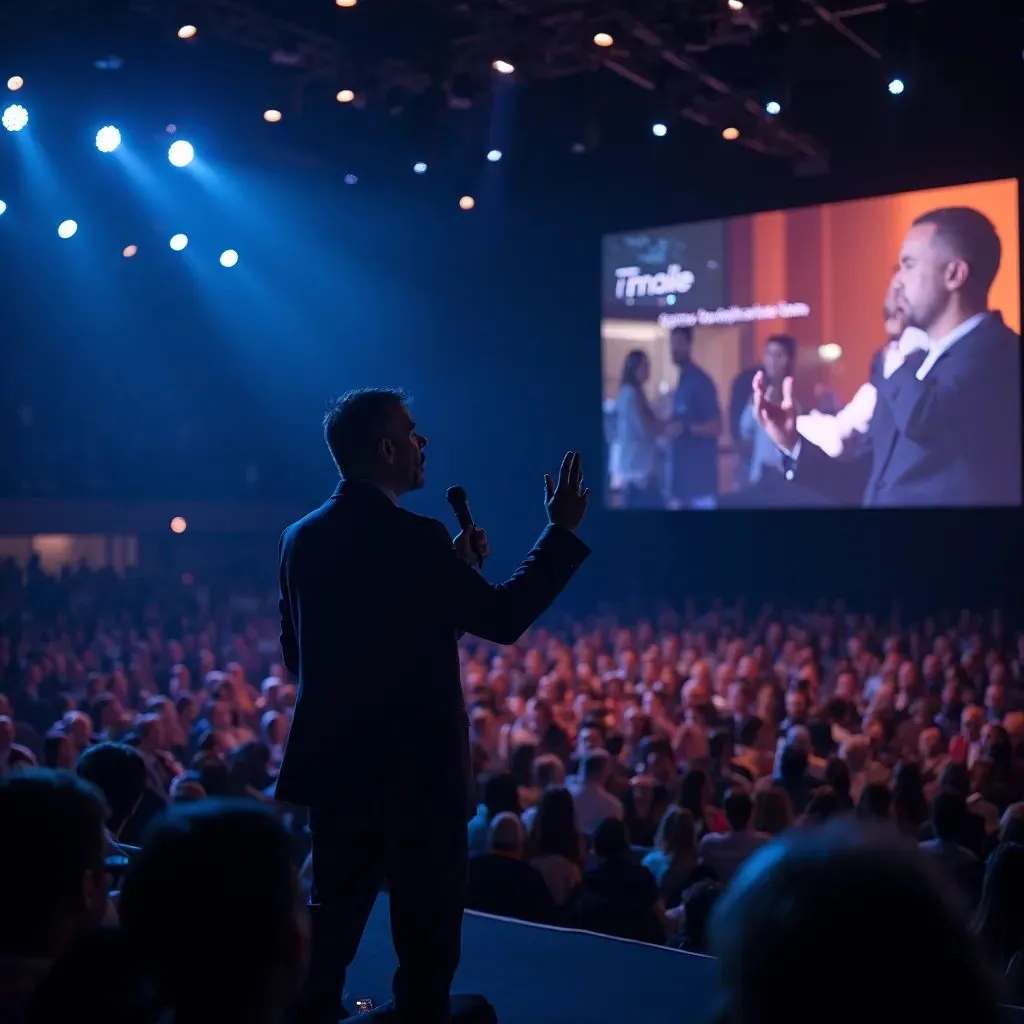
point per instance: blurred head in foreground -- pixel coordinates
(846, 909)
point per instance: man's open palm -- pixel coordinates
(566, 501)
(778, 419)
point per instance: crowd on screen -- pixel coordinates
(628, 771)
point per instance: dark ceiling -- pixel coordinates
(572, 110)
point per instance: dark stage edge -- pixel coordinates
(537, 975)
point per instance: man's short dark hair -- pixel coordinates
(972, 238)
(739, 809)
(355, 424)
(119, 773)
(52, 824)
(787, 341)
(681, 331)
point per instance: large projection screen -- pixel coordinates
(896, 319)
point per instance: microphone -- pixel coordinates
(456, 497)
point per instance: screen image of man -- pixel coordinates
(695, 427)
(950, 435)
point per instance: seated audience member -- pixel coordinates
(909, 803)
(692, 916)
(12, 755)
(1011, 824)
(999, 921)
(548, 773)
(817, 899)
(675, 861)
(501, 796)
(823, 806)
(619, 897)
(875, 803)
(556, 850)
(51, 861)
(794, 777)
(773, 810)
(696, 794)
(119, 773)
(725, 852)
(229, 866)
(644, 803)
(837, 777)
(590, 793)
(502, 883)
(960, 865)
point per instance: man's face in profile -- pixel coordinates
(921, 280)
(407, 457)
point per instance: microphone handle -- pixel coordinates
(466, 524)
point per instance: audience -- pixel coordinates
(629, 770)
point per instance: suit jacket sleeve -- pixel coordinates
(841, 480)
(289, 642)
(502, 613)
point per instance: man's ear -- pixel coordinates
(387, 449)
(957, 273)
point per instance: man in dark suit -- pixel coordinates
(946, 429)
(373, 599)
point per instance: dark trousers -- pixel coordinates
(424, 862)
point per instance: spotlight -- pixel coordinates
(351, 179)
(420, 167)
(346, 3)
(14, 118)
(773, 107)
(178, 242)
(228, 258)
(467, 203)
(66, 228)
(181, 153)
(494, 155)
(503, 67)
(273, 116)
(345, 96)
(187, 32)
(731, 134)
(830, 352)
(735, 5)
(897, 86)
(129, 251)
(3, 207)
(178, 524)
(108, 138)
(660, 130)
(603, 39)
(15, 82)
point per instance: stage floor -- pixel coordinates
(537, 975)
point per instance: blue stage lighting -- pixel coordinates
(15, 117)
(660, 130)
(494, 156)
(67, 228)
(420, 167)
(178, 242)
(896, 87)
(181, 153)
(228, 258)
(3, 207)
(773, 107)
(108, 138)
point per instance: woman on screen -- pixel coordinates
(637, 430)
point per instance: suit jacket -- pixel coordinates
(373, 599)
(950, 439)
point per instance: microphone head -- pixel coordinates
(456, 497)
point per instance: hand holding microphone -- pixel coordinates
(471, 544)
